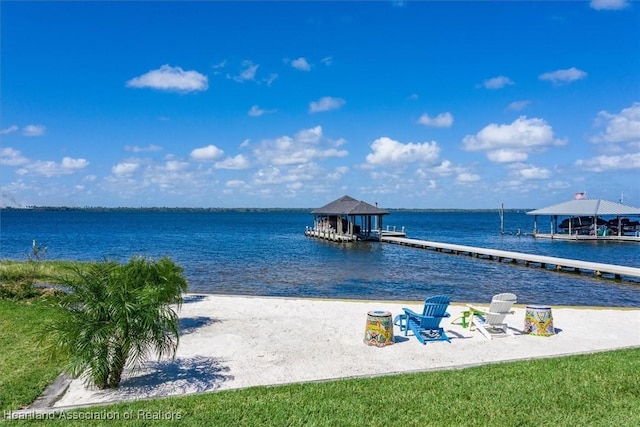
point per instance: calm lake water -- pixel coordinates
(266, 253)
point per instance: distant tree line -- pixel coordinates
(174, 209)
(148, 209)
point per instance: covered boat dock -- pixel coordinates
(347, 220)
(589, 219)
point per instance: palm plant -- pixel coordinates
(117, 315)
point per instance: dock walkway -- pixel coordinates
(559, 264)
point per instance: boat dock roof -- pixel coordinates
(587, 207)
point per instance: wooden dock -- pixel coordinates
(332, 235)
(546, 262)
(590, 238)
(393, 232)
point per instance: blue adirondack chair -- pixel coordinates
(426, 326)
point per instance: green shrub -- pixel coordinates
(117, 315)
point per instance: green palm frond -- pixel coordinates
(118, 315)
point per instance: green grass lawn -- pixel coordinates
(22, 279)
(601, 389)
(25, 368)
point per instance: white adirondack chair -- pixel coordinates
(490, 321)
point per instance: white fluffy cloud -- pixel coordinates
(301, 64)
(235, 183)
(445, 168)
(72, 165)
(175, 165)
(337, 173)
(11, 157)
(256, 111)
(442, 120)
(518, 105)
(7, 131)
(309, 136)
(607, 163)
(170, 79)
(67, 166)
(304, 147)
(138, 149)
(171, 177)
(530, 172)
(34, 130)
(208, 153)
(512, 142)
(467, 177)
(325, 104)
(497, 82)
(29, 130)
(621, 127)
(238, 162)
(125, 168)
(563, 76)
(621, 136)
(505, 155)
(388, 152)
(609, 4)
(273, 175)
(248, 72)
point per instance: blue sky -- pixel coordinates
(294, 104)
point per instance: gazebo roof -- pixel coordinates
(587, 207)
(347, 205)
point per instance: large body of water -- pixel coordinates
(266, 253)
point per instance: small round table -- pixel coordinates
(538, 320)
(379, 329)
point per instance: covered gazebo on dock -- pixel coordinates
(589, 219)
(347, 219)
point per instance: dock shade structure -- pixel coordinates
(590, 219)
(347, 219)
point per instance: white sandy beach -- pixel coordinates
(231, 342)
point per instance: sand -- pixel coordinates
(231, 342)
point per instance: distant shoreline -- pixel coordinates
(178, 209)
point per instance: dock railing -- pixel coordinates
(328, 234)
